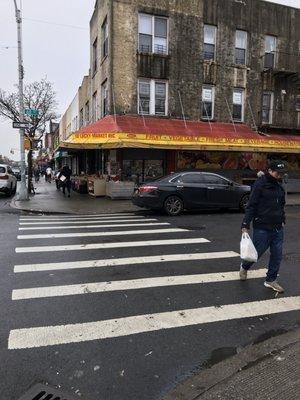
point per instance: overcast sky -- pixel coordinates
(59, 53)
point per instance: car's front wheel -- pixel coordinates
(243, 202)
(173, 205)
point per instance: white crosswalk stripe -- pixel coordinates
(115, 225)
(111, 286)
(124, 261)
(95, 234)
(183, 254)
(117, 245)
(75, 333)
(67, 216)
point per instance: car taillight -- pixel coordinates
(4, 177)
(147, 189)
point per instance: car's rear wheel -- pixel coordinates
(243, 202)
(173, 205)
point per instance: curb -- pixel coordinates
(193, 388)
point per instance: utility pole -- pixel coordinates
(22, 192)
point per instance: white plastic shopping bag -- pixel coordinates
(248, 251)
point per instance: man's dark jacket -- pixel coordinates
(266, 204)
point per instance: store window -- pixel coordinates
(152, 97)
(240, 47)
(210, 34)
(238, 105)
(208, 99)
(153, 34)
(267, 107)
(104, 33)
(270, 51)
(104, 99)
(95, 56)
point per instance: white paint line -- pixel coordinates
(75, 333)
(72, 216)
(107, 233)
(100, 287)
(91, 220)
(123, 261)
(35, 228)
(91, 246)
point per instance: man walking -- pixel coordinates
(265, 210)
(66, 173)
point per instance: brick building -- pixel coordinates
(189, 84)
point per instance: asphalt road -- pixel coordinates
(120, 338)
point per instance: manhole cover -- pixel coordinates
(44, 392)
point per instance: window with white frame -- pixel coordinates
(270, 51)
(153, 34)
(208, 100)
(81, 118)
(104, 33)
(210, 35)
(267, 107)
(152, 97)
(104, 99)
(240, 47)
(94, 107)
(238, 105)
(298, 102)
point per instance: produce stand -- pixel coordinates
(96, 186)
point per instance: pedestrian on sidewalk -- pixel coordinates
(265, 210)
(48, 176)
(66, 183)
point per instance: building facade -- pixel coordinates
(233, 62)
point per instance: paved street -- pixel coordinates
(124, 306)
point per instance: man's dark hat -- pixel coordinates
(278, 165)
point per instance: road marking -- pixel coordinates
(96, 226)
(123, 261)
(90, 246)
(117, 327)
(112, 286)
(82, 221)
(96, 234)
(63, 217)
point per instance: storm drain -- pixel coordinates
(44, 392)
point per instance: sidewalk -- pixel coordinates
(264, 371)
(50, 200)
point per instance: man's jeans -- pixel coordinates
(262, 240)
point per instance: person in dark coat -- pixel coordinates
(265, 210)
(66, 183)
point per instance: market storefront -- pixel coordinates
(133, 149)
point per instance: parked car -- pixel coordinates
(191, 190)
(17, 173)
(8, 182)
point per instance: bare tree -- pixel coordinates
(38, 96)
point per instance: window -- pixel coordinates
(210, 33)
(267, 107)
(104, 99)
(94, 107)
(81, 118)
(152, 97)
(153, 34)
(270, 51)
(87, 112)
(208, 99)
(215, 180)
(192, 178)
(95, 56)
(238, 105)
(104, 31)
(240, 47)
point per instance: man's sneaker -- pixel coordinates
(275, 286)
(243, 274)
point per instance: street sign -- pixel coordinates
(21, 125)
(31, 112)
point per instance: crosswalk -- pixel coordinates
(114, 241)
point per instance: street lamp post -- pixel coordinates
(22, 192)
